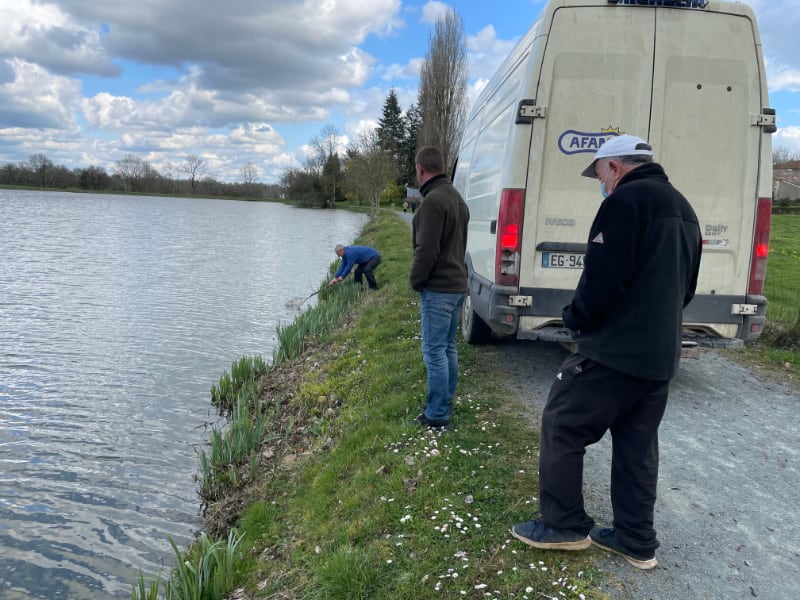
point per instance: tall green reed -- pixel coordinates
(206, 572)
(232, 448)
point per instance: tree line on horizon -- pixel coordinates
(134, 175)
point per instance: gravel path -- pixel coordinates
(726, 514)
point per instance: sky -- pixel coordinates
(89, 82)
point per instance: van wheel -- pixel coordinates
(474, 328)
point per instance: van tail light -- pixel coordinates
(509, 237)
(758, 262)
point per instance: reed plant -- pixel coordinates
(233, 447)
(206, 572)
(245, 374)
(315, 321)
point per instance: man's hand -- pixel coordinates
(335, 280)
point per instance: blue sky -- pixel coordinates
(87, 82)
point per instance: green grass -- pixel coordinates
(778, 348)
(782, 285)
(359, 502)
(347, 498)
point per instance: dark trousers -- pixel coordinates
(586, 400)
(368, 270)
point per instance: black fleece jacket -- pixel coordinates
(439, 236)
(640, 271)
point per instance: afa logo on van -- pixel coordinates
(575, 142)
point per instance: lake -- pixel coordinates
(117, 314)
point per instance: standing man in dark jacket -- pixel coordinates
(439, 274)
(640, 271)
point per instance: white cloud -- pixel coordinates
(32, 97)
(782, 77)
(486, 52)
(787, 137)
(248, 43)
(355, 129)
(189, 104)
(432, 11)
(42, 33)
(410, 70)
(778, 22)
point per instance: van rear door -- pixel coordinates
(706, 101)
(595, 82)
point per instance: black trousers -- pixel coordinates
(368, 270)
(586, 400)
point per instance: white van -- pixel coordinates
(687, 76)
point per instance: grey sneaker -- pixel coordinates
(606, 538)
(535, 533)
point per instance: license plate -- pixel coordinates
(562, 260)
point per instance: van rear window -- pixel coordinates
(673, 3)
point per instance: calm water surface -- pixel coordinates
(116, 316)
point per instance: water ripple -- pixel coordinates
(116, 315)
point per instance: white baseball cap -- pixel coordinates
(619, 145)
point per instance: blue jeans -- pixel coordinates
(440, 315)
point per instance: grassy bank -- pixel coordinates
(327, 489)
(348, 498)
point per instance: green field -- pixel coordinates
(782, 287)
(778, 348)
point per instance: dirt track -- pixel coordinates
(726, 513)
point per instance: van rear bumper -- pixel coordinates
(490, 301)
(709, 319)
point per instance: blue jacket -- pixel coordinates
(355, 255)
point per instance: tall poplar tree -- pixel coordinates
(412, 121)
(443, 87)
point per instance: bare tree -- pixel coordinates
(370, 169)
(249, 173)
(169, 171)
(782, 156)
(194, 167)
(131, 169)
(10, 173)
(40, 165)
(326, 159)
(443, 87)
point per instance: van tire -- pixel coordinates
(474, 328)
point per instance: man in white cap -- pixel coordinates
(641, 266)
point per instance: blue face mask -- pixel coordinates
(603, 191)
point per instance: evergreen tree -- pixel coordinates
(391, 130)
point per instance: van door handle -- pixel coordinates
(493, 227)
